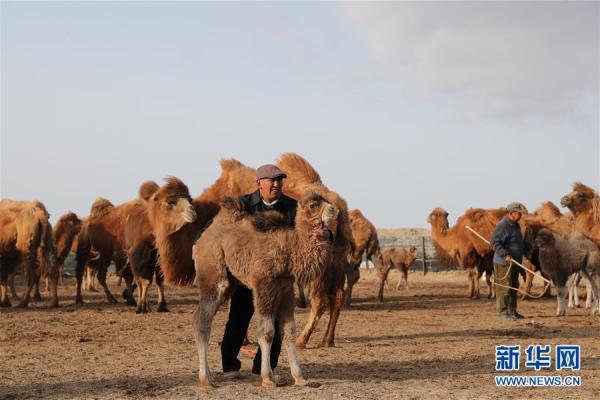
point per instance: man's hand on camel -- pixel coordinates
(508, 259)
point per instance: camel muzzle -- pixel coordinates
(565, 201)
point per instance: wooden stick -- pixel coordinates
(514, 261)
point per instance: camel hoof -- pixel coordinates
(22, 304)
(5, 303)
(301, 382)
(37, 297)
(206, 385)
(327, 344)
(162, 307)
(79, 301)
(268, 383)
(300, 304)
(112, 300)
(54, 304)
(380, 299)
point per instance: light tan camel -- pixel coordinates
(458, 243)
(26, 238)
(260, 253)
(584, 203)
(401, 259)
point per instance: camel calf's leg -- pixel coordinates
(301, 301)
(11, 284)
(560, 297)
(207, 307)
(318, 304)
(287, 330)
(102, 269)
(266, 330)
(383, 275)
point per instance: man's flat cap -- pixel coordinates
(269, 171)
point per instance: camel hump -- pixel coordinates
(230, 164)
(101, 207)
(147, 189)
(475, 214)
(269, 221)
(298, 168)
(234, 207)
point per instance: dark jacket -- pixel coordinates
(285, 205)
(507, 240)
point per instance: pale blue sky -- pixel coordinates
(401, 107)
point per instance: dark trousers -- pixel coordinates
(240, 313)
(506, 299)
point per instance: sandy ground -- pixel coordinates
(425, 342)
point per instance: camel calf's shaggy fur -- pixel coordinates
(260, 253)
(560, 258)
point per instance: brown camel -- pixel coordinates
(584, 203)
(141, 250)
(366, 242)
(262, 254)
(177, 222)
(460, 244)
(26, 238)
(401, 259)
(561, 258)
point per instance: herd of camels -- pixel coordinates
(166, 236)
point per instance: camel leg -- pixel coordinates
(4, 301)
(488, 281)
(90, 277)
(54, 278)
(317, 308)
(403, 278)
(589, 294)
(287, 330)
(335, 306)
(142, 305)
(301, 300)
(594, 282)
(560, 297)
(11, 284)
(352, 277)
(162, 303)
(573, 294)
(36, 290)
(102, 269)
(471, 293)
(207, 307)
(30, 280)
(266, 330)
(382, 282)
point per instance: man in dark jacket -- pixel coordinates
(508, 244)
(268, 197)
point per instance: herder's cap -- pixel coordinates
(516, 207)
(269, 171)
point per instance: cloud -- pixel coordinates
(504, 59)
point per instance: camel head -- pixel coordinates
(544, 239)
(67, 227)
(439, 219)
(581, 199)
(316, 214)
(170, 207)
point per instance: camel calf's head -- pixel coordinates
(319, 214)
(170, 207)
(544, 239)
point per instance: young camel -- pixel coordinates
(401, 259)
(258, 252)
